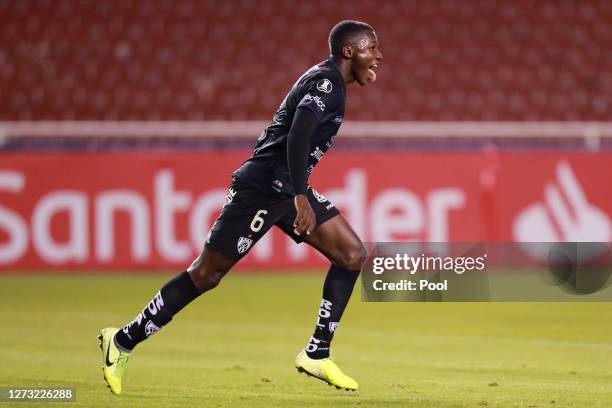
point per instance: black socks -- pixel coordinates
(180, 291)
(172, 297)
(337, 291)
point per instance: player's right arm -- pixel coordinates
(303, 127)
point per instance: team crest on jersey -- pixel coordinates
(320, 197)
(324, 85)
(244, 244)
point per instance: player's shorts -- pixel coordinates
(248, 214)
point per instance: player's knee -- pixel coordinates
(206, 279)
(353, 258)
(206, 282)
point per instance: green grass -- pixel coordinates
(235, 346)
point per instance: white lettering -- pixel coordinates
(312, 345)
(168, 202)
(159, 301)
(396, 214)
(76, 248)
(439, 204)
(393, 214)
(107, 203)
(316, 99)
(10, 221)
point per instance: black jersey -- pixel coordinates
(322, 90)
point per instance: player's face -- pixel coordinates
(366, 58)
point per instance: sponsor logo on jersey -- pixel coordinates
(316, 99)
(324, 85)
(244, 244)
(333, 326)
(151, 328)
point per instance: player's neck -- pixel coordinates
(344, 66)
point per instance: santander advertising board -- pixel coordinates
(143, 210)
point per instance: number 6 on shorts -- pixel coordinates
(258, 220)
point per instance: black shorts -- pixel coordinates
(248, 214)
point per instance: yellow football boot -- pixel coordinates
(326, 370)
(113, 359)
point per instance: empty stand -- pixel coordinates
(235, 60)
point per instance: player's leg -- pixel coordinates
(341, 245)
(204, 274)
(208, 269)
(334, 238)
(245, 218)
(116, 344)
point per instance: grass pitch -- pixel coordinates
(234, 347)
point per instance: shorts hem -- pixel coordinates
(232, 257)
(298, 239)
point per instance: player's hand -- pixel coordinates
(305, 221)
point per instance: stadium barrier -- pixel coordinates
(152, 209)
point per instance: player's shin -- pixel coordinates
(337, 291)
(173, 296)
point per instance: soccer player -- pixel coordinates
(271, 188)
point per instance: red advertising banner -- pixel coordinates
(143, 210)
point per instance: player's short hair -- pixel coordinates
(343, 32)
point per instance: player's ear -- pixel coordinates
(347, 51)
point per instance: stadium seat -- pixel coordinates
(444, 60)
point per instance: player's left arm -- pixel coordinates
(298, 143)
(320, 98)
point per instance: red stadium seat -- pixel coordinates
(444, 60)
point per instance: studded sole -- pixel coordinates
(303, 371)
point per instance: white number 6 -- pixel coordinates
(258, 220)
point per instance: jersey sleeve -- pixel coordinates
(322, 96)
(298, 145)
